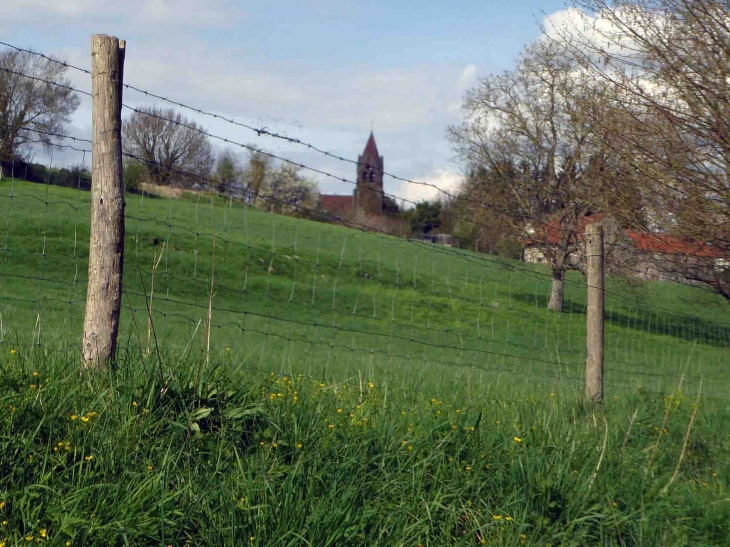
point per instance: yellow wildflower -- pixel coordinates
(299, 445)
(518, 440)
(410, 447)
(44, 532)
(371, 385)
(28, 538)
(13, 351)
(251, 538)
(68, 543)
(88, 458)
(150, 468)
(35, 374)
(33, 386)
(2, 505)
(134, 403)
(84, 419)
(508, 519)
(339, 411)
(5, 523)
(73, 417)
(331, 426)
(497, 517)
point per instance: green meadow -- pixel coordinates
(302, 383)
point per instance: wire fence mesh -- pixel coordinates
(213, 277)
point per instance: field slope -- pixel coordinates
(355, 389)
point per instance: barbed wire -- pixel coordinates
(411, 358)
(263, 131)
(572, 233)
(450, 348)
(365, 228)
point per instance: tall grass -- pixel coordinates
(255, 457)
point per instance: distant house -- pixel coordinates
(647, 255)
(666, 257)
(368, 194)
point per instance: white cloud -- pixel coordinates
(445, 179)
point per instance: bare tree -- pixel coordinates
(527, 136)
(169, 144)
(30, 108)
(666, 64)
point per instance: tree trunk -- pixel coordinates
(556, 291)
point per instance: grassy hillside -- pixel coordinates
(337, 297)
(360, 390)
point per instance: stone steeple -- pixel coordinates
(369, 190)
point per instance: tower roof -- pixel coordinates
(371, 149)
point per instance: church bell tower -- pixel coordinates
(369, 190)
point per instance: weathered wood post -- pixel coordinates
(106, 249)
(594, 325)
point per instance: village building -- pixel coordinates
(643, 255)
(367, 196)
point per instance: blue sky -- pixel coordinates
(323, 71)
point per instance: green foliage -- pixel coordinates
(509, 247)
(134, 174)
(426, 216)
(227, 173)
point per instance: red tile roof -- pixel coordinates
(647, 242)
(667, 244)
(336, 203)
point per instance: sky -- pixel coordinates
(322, 71)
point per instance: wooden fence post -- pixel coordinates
(106, 249)
(594, 320)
